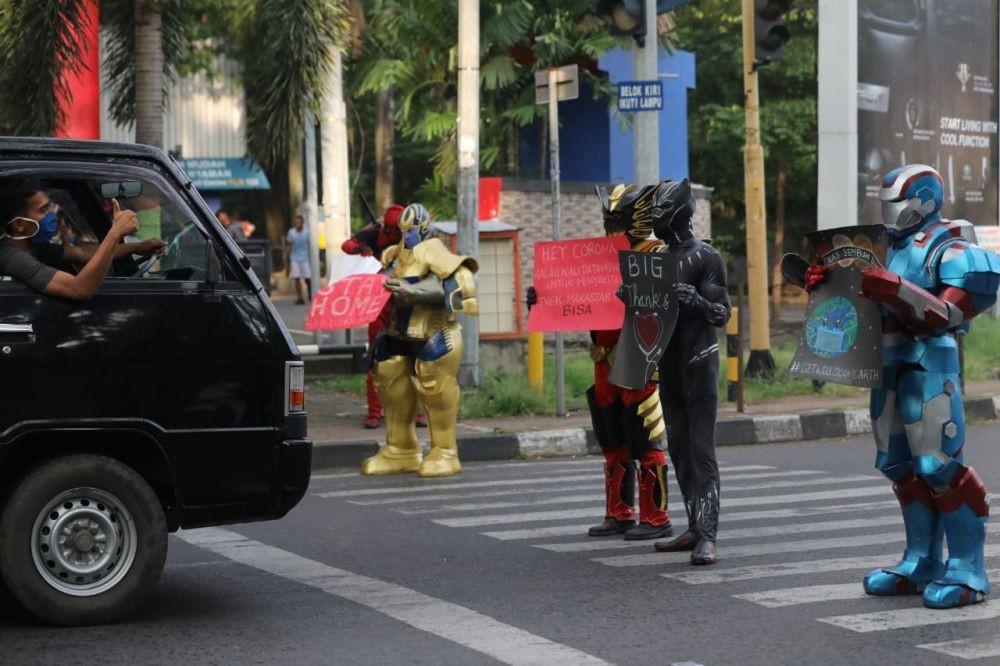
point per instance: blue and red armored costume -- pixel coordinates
(937, 279)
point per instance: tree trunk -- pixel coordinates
(779, 241)
(148, 73)
(296, 177)
(385, 134)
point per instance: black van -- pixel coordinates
(173, 398)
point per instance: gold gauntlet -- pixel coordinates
(462, 292)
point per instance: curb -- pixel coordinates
(738, 431)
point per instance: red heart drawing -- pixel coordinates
(647, 329)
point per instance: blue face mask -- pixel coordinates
(412, 238)
(48, 227)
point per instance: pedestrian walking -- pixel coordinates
(297, 258)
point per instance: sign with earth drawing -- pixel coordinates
(841, 339)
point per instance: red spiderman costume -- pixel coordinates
(371, 241)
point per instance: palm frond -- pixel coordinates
(39, 41)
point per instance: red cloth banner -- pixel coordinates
(81, 107)
(349, 303)
(576, 282)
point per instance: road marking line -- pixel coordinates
(753, 550)
(541, 491)
(455, 485)
(598, 512)
(907, 618)
(756, 500)
(980, 647)
(455, 623)
(540, 532)
(802, 568)
(745, 533)
(793, 596)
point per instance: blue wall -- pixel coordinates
(593, 145)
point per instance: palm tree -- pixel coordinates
(148, 54)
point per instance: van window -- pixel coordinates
(85, 207)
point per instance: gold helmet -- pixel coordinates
(629, 209)
(415, 224)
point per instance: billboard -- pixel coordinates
(927, 79)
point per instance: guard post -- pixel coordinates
(733, 356)
(536, 361)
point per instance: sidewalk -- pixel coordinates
(341, 441)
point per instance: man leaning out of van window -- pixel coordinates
(29, 222)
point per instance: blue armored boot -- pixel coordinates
(964, 509)
(922, 560)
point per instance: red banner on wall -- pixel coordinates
(576, 282)
(349, 303)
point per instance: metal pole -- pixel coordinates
(646, 125)
(309, 209)
(761, 362)
(468, 169)
(333, 147)
(556, 227)
(740, 405)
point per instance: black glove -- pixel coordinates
(531, 297)
(714, 313)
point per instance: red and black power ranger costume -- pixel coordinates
(628, 424)
(371, 241)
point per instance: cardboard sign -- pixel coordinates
(576, 282)
(841, 339)
(651, 309)
(348, 303)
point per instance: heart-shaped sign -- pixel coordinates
(648, 330)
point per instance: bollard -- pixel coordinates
(733, 356)
(536, 365)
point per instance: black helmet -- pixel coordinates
(672, 209)
(627, 210)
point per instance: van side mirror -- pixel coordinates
(213, 267)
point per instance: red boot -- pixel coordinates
(654, 519)
(619, 499)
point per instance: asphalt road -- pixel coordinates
(494, 566)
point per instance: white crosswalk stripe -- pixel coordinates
(572, 514)
(462, 485)
(745, 533)
(753, 550)
(800, 568)
(755, 500)
(981, 647)
(795, 596)
(767, 485)
(907, 618)
(809, 594)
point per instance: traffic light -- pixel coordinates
(626, 17)
(770, 33)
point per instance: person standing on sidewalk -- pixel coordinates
(689, 368)
(297, 258)
(372, 241)
(628, 423)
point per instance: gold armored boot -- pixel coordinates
(437, 385)
(402, 452)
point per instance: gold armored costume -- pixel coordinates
(419, 355)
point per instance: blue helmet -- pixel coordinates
(911, 195)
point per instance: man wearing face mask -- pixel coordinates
(417, 358)
(689, 368)
(29, 223)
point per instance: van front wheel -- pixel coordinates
(83, 539)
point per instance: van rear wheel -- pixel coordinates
(83, 539)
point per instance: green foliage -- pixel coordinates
(118, 21)
(409, 46)
(982, 349)
(39, 45)
(287, 57)
(712, 30)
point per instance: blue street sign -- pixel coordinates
(640, 96)
(225, 173)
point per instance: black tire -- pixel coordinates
(17, 524)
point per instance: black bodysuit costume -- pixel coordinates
(689, 368)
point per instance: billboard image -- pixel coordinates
(927, 78)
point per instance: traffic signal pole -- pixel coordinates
(760, 361)
(468, 171)
(646, 126)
